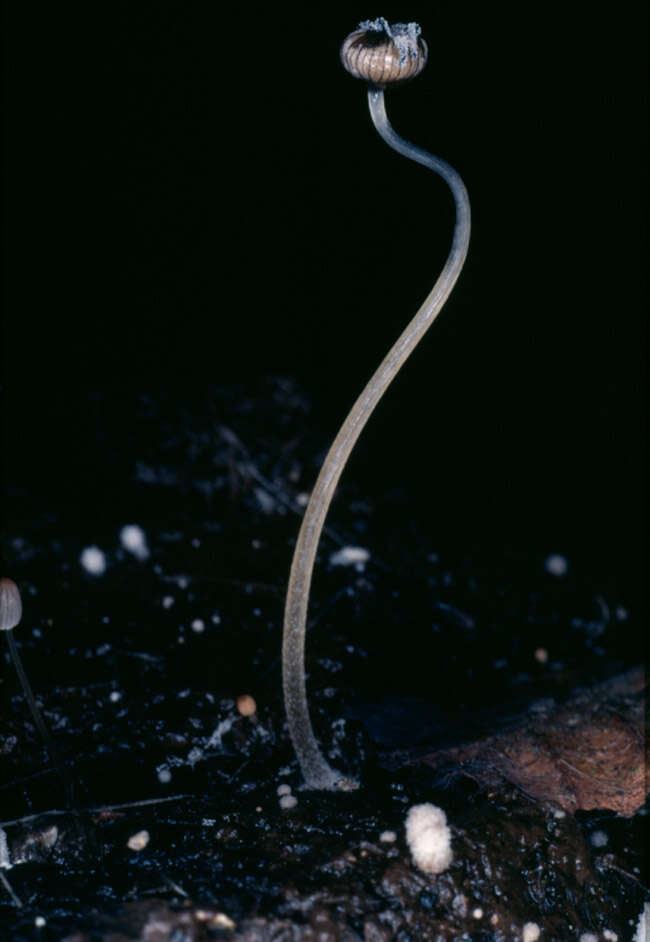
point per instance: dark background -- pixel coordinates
(193, 200)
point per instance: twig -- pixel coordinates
(129, 804)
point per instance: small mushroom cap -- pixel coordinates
(382, 54)
(11, 606)
(246, 705)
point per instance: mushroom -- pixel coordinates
(11, 611)
(382, 55)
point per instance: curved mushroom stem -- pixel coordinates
(317, 772)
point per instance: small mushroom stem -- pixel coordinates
(37, 716)
(316, 770)
(10, 891)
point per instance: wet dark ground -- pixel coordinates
(429, 644)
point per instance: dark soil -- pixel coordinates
(425, 647)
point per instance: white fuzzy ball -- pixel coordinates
(429, 838)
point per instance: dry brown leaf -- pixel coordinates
(586, 754)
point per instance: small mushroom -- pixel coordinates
(382, 55)
(11, 611)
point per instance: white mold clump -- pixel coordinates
(429, 838)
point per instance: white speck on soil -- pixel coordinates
(194, 755)
(556, 565)
(93, 561)
(599, 839)
(531, 932)
(133, 540)
(138, 841)
(288, 801)
(215, 739)
(388, 837)
(355, 556)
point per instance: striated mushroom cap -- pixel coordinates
(11, 606)
(384, 54)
